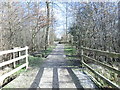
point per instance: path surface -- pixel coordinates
(57, 72)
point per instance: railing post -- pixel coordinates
(82, 56)
(19, 54)
(14, 63)
(26, 57)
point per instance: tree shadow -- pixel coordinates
(69, 64)
(55, 83)
(56, 63)
(37, 79)
(75, 79)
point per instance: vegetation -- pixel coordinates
(70, 51)
(94, 25)
(25, 24)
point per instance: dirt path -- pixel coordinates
(56, 72)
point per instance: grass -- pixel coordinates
(70, 51)
(49, 50)
(35, 61)
(71, 56)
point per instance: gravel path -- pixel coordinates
(56, 72)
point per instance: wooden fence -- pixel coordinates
(99, 52)
(14, 60)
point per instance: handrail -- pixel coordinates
(110, 54)
(102, 77)
(102, 64)
(107, 53)
(14, 62)
(12, 51)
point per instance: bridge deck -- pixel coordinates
(56, 72)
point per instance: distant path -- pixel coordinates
(57, 72)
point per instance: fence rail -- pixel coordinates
(14, 61)
(107, 53)
(99, 52)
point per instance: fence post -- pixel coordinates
(19, 54)
(82, 56)
(26, 57)
(14, 63)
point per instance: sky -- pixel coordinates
(59, 13)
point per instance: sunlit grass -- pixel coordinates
(70, 51)
(49, 50)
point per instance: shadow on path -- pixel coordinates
(55, 83)
(74, 78)
(37, 79)
(56, 61)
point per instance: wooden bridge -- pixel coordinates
(57, 72)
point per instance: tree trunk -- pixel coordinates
(119, 26)
(47, 29)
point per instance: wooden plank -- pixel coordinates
(12, 51)
(102, 64)
(11, 72)
(93, 79)
(107, 53)
(102, 77)
(14, 63)
(27, 59)
(13, 60)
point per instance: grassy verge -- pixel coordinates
(35, 61)
(70, 51)
(49, 50)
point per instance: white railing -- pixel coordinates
(14, 60)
